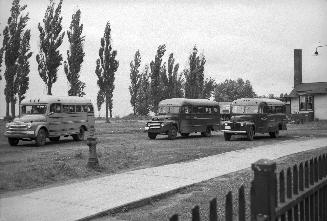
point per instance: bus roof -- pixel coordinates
(56, 99)
(186, 101)
(257, 101)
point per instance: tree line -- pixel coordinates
(16, 53)
(156, 81)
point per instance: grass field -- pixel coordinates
(122, 146)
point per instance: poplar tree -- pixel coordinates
(196, 86)
(135, 77)
(51, 37)
(175, 81)
(143, 99)
(13, 42)
(75, 56)
(106, 66)
(23, 70)
(156, 68)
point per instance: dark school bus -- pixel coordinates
(184, 116)
(250, 116)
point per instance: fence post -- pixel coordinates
(264, 185)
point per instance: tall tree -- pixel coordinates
(230, 90)
(75, 56)
(12, 46)
(135, 77)
(143, 99)
(51, 37)
(175, 80)
(195, 84)
(156, 68)
(106, 66)
(23, 70)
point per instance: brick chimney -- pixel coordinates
(297, 67)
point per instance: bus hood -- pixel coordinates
(162, 117)
(31, 118)
(239, 118)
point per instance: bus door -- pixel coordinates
(55, 120)
(185, 119)
(198, 118)
(262, 120)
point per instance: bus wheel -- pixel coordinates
(80, 136)
(274, 134)
(13, 141)
(185, 134)
(41, 138)
(207, 133)
(152, 136)
(250, 134)
(227, 136)
(172, 133)
(54, 139)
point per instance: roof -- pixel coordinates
(257, 101)
(309, 88)
(52, 99)
(186, 101)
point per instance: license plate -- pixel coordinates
(227, 127)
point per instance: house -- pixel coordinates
(307, 98)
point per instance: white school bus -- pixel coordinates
(51, 117)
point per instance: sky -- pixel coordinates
(251, 39)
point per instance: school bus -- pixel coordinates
(51, 117)
(250, 116)
(184, 116)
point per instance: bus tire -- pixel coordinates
(207, 133)
(152, 136)
(13, 141)
(41, 137)
(274, 134)
(80, 136)
(250, 133)
(54, 139)
(185, 134)
(227, 136)
(172, 133)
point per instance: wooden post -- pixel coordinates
(263, 196)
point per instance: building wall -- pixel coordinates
(294, 105)
(320, 106)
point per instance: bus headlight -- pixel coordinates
(162, 124)
(7, 125)
(29, 125)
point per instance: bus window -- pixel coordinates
(65, 108)
(90, 109)
(200, 110)
(71, 108)
(208, 110)
(215, 110)
(55, 108)
(78, 108)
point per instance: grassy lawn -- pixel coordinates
(122, 146)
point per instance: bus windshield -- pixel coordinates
(238, 109)
(168, 110)
(34, 109)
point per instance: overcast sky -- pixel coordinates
(251, 39)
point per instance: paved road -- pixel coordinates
(84, 199)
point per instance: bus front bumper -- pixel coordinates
(234, 131)
(20, 134)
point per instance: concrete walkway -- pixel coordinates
(85, 199)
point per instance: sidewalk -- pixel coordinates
(85, 199)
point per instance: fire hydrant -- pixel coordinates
(93, 161)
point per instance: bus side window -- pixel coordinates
(55, 108)
(85, 108)
(71, 108)
(65, 108)
(90, 109)
(78, 108)
(200, 110)
(215, 110)
(208, 110)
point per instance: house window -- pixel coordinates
(306, 103)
